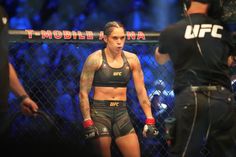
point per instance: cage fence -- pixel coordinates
(50, 72)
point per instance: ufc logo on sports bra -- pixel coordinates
(117, 73)
(201, 30)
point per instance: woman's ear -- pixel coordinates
(105, 38)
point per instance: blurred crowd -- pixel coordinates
(90, 14)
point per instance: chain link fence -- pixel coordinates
(50, 73)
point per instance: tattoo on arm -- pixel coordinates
(86, 81)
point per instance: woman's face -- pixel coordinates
(115, 41)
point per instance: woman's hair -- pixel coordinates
(110, 26)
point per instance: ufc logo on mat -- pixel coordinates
(201, 30)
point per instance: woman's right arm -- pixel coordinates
(86, 80)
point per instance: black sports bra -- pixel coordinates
(107, 76)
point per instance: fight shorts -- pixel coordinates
(111, 118)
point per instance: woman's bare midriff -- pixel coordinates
(110, 93)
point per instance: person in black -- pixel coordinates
(4, 68)
(199, 47)
(9, 80)
(107, 72)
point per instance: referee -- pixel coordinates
(4, 66)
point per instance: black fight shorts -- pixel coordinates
(111, 118)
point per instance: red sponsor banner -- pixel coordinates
(76, 36)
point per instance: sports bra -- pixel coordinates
(106, 76)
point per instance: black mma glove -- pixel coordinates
(150, 129)
(90, 130)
